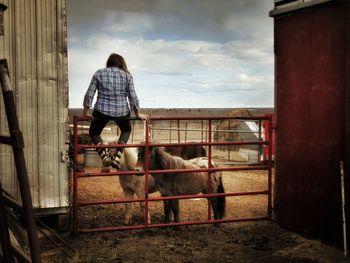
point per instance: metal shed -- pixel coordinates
(312, 96)
(34, 43)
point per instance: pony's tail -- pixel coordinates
(221, 200)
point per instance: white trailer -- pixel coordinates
(35, 46)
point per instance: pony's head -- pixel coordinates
(152, 160)
(159, 159)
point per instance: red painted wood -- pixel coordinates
(310, 77)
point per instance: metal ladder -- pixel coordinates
(16, 141)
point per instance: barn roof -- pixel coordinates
(286, 6)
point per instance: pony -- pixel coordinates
(133, 184)
(184, 183)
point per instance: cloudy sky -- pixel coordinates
(181, 53)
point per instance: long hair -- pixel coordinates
(116, 60)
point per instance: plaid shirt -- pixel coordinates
(115, 88)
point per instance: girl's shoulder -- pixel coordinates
(101, 71)
(122, 72)
(113, 70)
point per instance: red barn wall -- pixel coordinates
(312, 57)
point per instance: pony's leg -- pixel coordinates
(220, 201)
(175, 209)
(167, 211)
(128, 194)
(141, 194)
(214, 205)
(142, 208)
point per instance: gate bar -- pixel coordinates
(154, 199)
(204, 222)
(113, 145)
(225, 169)
(78, 174)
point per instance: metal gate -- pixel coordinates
(206, 141)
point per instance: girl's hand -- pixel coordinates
(144, 117)
(86, 112)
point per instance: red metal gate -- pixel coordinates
(267, 165)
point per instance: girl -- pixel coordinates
(115, 97)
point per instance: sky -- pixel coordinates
(181, 53)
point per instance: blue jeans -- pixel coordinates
(100, 120)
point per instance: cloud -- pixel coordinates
(125, 22)
(223, 20)
(204, 68)
(184, 53)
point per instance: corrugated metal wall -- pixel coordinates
(34, 43)
(312, 82)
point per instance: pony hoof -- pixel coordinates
(217, 224)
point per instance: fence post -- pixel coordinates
(260, 146)
(75, 179)
(270, 144)
(146, 173)
(209, 165)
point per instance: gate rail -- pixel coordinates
(267, 165)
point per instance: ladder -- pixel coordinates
(16, 141)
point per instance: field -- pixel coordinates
(259, 241)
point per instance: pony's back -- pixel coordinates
(165, 160)
(187, 151)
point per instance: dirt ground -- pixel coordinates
(234, 242)
(259, 241)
